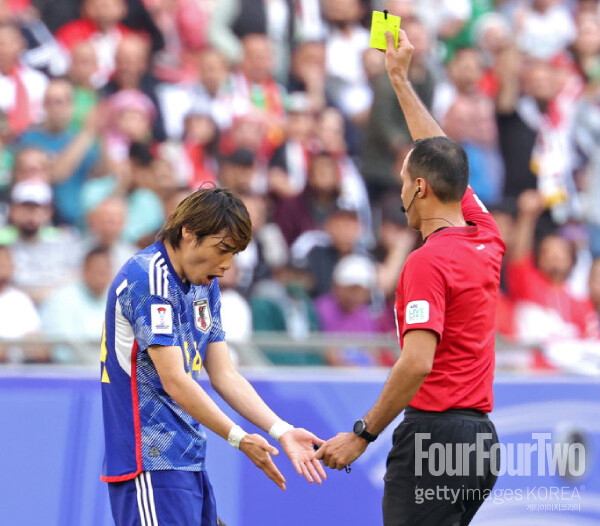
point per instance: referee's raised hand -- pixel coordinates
(259, 451)
(397, 61)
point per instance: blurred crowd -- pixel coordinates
(112, 111)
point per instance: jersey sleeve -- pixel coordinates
(421, 296)
(217, 334)
(475, 211)
(154, 320)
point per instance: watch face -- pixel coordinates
(359, 427)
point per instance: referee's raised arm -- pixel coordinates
(421, 123)
(445, 314)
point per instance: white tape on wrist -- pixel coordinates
(236, 433)
(279, 428)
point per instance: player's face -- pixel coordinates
(204, 261)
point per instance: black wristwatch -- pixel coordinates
(360, 429)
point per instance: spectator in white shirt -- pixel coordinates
(544, 28)
(346, 44)
(76, 311)
(18, 315)
(45, 256)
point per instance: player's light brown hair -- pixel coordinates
(209, 212)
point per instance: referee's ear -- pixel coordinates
(422, 187)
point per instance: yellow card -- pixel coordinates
(381, 23)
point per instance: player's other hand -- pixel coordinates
(341, 450)
(259, 451)
(397, 61)
(298, 444)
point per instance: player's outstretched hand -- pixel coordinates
(298, 444)
(259, 451)
(397, 61)
(341, 450)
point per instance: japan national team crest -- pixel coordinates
(202, 316)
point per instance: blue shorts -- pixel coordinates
(165, 498)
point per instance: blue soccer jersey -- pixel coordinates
(148, 304)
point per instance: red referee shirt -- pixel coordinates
(450, 286)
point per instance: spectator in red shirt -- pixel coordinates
(545, 309)
(100, 23)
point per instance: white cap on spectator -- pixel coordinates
(32, 191)
(355, 270)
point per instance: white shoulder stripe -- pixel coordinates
(159, 281)
(122, 287)
(158, 278)
(162, 288)
(165, 282)
(151, 273)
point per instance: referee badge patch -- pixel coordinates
(202, 317)
(417, 312)
(161, 318)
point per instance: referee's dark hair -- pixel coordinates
(208, 212)
(443, 164)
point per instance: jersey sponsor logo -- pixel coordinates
(417, 312)
(202, 317)
(161, 318)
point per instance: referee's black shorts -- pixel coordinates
(420, 490)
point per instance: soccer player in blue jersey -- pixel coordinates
(162, 325)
